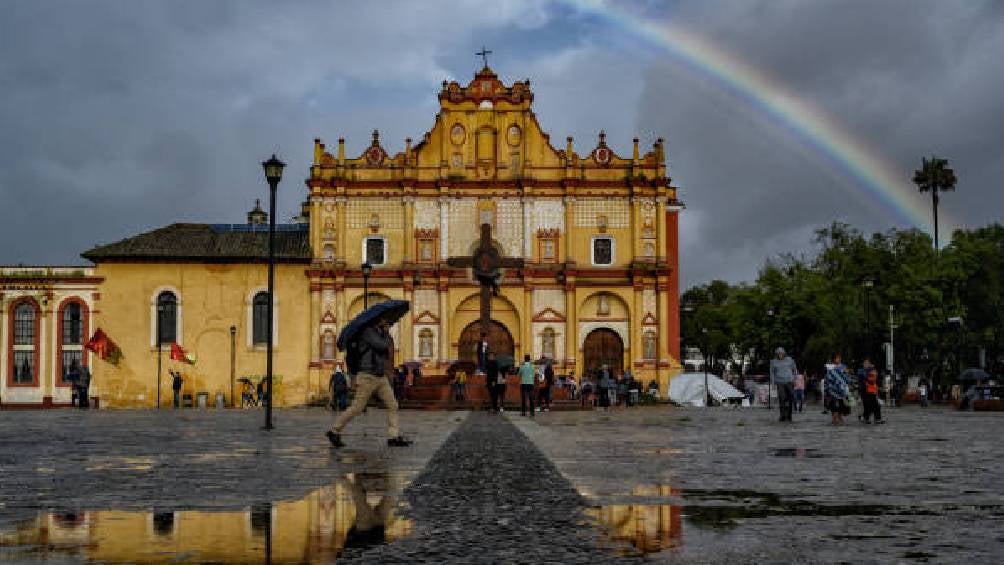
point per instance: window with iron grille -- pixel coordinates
(73, 327)
(167, 317)
(259, 318)
(603, 251)
(24, 325)
(68, 358)
(24, 366)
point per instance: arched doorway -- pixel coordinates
(499, 341)
(603, 347)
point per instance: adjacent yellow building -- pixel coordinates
(596, 233)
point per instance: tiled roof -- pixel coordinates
(208, 243)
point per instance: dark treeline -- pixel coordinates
(947, 305)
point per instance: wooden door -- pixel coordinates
(499, 341)
(603, 347)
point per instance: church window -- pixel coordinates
(25, 346)
(425, 250)
(259, 318)
(425, 343)
(547, 247)
(328, 346)
(167, 317)
(547, 344)
(648, 345)
(603, 250)
(375, 250)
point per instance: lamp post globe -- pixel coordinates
(273, 174)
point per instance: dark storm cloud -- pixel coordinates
(116, 117)
(906, 78)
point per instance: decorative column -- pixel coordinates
(662, 298)
(660, 217)
(637, 351)
(571, 326)
(570, 231)
(341, 315)
(407, 344)
(636, 250)
(444, 228)
(341, 239)
(444, 320)
(528, 230)
(526, 320)
(409, 228)
(315, 321)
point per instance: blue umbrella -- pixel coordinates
(390, 310)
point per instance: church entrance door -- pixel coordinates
(499, 341)
(603, 347)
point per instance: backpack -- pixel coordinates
(354, 352)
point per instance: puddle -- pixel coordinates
(799, 453)
(638, 529)
(358, 510)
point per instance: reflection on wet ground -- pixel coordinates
(357, 511)
(639, 529)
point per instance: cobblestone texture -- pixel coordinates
(490, 496)
(746, 488)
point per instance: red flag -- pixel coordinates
(179, 354)
(104, 347)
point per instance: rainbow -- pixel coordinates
(876, 181)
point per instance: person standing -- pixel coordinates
(482, 351)
(176, 381)
(492, 379)
(83, 388)
(837, 390)
(870, 398)
(799, 389)
(548, 386)
(376, 346)
(339, 389)
(460, 384)
(526, 377)
(782, 374)
(72, 376)
(604, 386)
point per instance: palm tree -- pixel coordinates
(934, 176)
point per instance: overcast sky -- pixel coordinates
(118, 117)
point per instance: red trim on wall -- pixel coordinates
(10, 345)
(84, 331)
(673, 292)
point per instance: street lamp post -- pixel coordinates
(770, 354)
(704, 348)
(233, 362)
(273, 174)
(366, 268)
(160, 315)
(958, 345)
(868, 283)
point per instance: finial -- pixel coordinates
(568, 150)
(376, 137)
(603, 136)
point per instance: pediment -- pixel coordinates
(548, 315)
(426, 317)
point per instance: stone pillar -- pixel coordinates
(569, 234)
(407, 345)
(571, 328)
(444, 320)
(636, 232)
(409, 229)
(637, 351)
(444, 229)
(341, 238)
(526, 321)
(315, 321)
(528, 231)
(341, 305)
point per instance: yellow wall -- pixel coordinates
(212, 298)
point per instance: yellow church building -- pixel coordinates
(595, 234)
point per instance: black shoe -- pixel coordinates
(398, 441)
(335, 439)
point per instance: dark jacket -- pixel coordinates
(377, 345)
(548, 376)
(84, 380)
(491, 372)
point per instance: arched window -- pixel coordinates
(547, 343)
(24, 353)
(425, 343)
(167, 317)
(72, 333)
(648, 344)
(259, 318)
(328, 346)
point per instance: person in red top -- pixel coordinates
(870, 398)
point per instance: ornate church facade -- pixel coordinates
(593, 235)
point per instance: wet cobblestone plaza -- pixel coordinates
(681, 485)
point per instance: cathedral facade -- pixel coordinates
(588, 237)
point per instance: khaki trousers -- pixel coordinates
(366, 386)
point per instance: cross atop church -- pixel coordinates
(484, 53)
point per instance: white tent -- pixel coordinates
(688, 388)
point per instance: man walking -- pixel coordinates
(782, 374)
(492, 380)
(375, 347)
(526, 375)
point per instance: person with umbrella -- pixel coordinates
(369, 347)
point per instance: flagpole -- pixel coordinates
(160, 349)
